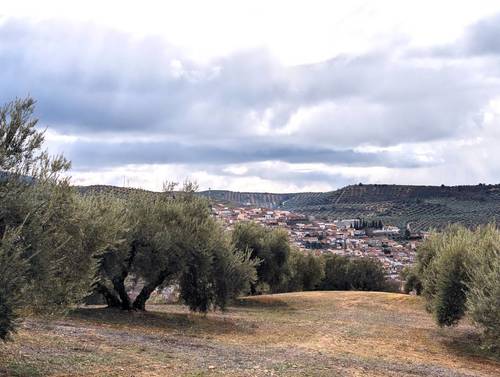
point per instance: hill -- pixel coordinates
(422, 207)
(261, 199)
(294, 334)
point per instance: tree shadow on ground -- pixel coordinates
(466, 343)
(212, 323)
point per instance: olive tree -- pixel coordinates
(441, 269)
(172, 238)
(151, 249)
(460, 274)
(41, 242)
(12, 281)
(306, 271)
(483, 295)
(271, 248)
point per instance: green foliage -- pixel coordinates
(393, 286)
(441, 268)
(460, 271)
(12, 283)
(59, 247)
(411, 280)
(20, 142)
(306, 271)
(274, 267)
(233, 271)
(336, 273)
(366, 274)
(49, 235)
(283, 269)
(271, 247)
(150, 230)
(483, 296)
(297, 265)
(215, 271)
(342, 273)
(161, 240)
(449, 298)
(38, 219)
(313, 273)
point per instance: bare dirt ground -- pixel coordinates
(296, 334)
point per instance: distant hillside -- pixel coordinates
(267, 200)
(221, 196)
(421, 206)
(106, 189)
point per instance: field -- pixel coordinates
(297, 334)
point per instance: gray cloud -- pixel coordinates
(483, 38)
(88, 155)
(245, 107)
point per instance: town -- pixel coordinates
(346, 237)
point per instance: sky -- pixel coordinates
(268, 96)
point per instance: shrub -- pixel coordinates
(449, 299)
(460, 272)
(336, 276)
(366, 274)
(483, 296)
(411, 281)
(314, 272)
(306, 271)
(342, 273)
(215, 272)
(393, 286)
(441, 269)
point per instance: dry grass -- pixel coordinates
(296, 334)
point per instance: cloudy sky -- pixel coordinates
(261, 95)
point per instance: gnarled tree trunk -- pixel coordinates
(140, 300)
(111, 300)
(119, 285)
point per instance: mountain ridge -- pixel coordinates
(421, 206)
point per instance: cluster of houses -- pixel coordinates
(339, 237)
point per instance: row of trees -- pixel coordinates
(372, 224)
(285, 269)
(458, 273)
(56, 246)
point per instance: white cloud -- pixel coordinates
(295, 31)
(392, 92)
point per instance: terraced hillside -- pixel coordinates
(263, 199)
(257, 199)
(106, 189)
(421, 206)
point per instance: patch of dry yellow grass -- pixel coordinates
(307, 333)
